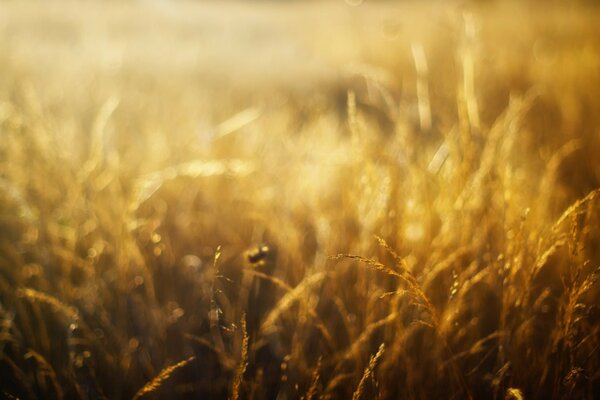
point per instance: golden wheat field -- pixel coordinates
(299, 200)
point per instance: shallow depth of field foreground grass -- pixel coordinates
(299, 200)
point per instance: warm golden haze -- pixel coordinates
(299, 200)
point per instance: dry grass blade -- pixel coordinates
(588, 282)
(423, 103)
(46, 371)
(291, 298)
(275, 281)
(543, 259)
(514, 394)
(312, 389)
(366, 335)
(576, 207)
(399, 260)
(414, 289)
(284, 286)
(226, 361)
(97, 149)
(335, 382)
(478, 347)
(147, 185)
(12, 372)
(57, 305)
(368, 372)
(418, 294)
(239, 374)
(367, 261)
(164, 375)
(238, 121)
(549, 179)
(406, 275)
